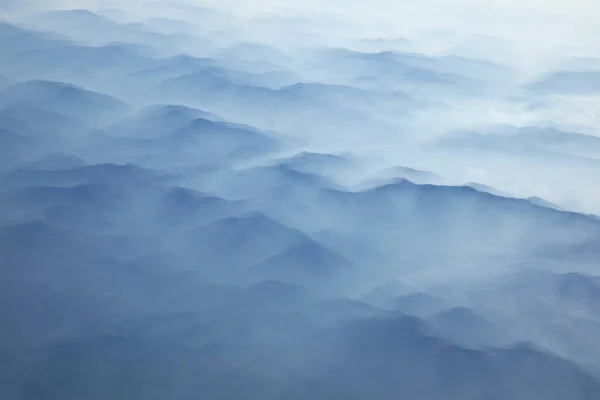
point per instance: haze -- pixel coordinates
(297, 200)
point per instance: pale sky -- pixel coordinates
(533, 22)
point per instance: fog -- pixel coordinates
(298, 200)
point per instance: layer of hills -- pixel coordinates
(230, 220)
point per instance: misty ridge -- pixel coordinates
(259, 200)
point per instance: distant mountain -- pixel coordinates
(306, 263)
(485, 189)
(255, 54)
(273, 109)
(56, 161)
(38, 122)
(576, 287)
(382, 294)
(555, 309)
(466, 327)
(398, 173)
(412, 361)
(62, 98)
(336, 311)
(154, 72)
(319, 163)
(525, 141)
(209, 202)
(47, 196)
(229, 245)
(213, 135)
(543, 203)
(29, 55)
(16, 39)
(159, 121)
(217, 142)
(370, 100)
(182, 208)
(418, 304)
(62, 19)
(269, 79)
(443, 212)
(85, 26)
(386, 69)
(305, 160)
(108, 174)
(205, 88)
(263, 182)
(567, 83)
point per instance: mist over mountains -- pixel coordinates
(248, 201)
